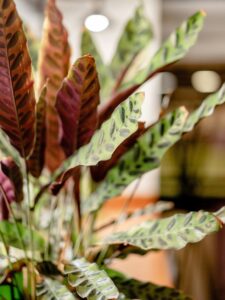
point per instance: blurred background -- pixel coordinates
(192, 174)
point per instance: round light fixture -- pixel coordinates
(96, 22)
(206, 81)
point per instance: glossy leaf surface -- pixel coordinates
(174, 232)
(123, 123)
(174, 48)
(144, 156)
(16, 85)
(90, 282)
(136, 36)
(53, 290)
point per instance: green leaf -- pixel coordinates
(205, 109)
(174, 232)
(135, 289)
(7, 149)
(122, 124)
(173, 49)
(144, 156)
(50, 289)
(33, 46)
(220, 214)
(88, 47)
(90, 282)
(136, 36)
(10, 233)
(150, 209)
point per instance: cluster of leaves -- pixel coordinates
(65, 133)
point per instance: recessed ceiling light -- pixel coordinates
(96, 22)
(206, 81)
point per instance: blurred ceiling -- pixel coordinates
(210, 47)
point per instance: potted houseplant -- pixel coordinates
(67, 139)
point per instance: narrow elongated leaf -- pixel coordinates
(53, 65)
(88, 47)
(150, 209)
(99, 171)
(50, 289)
(77, 103)
(170, 233)
(123, 123)
(7, 193)
(10, 232)
(137, 35)
(33, 45)
(174, 48)
(12, 171)
(205, 109)
(135, 289)
(90, 282)
(220, 214)
(16, 85)
(144, 156)
(36, 160)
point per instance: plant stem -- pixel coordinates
(14, 220)
(123, 209)
(30, 266)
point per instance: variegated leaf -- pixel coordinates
(88, 47)
(90, 282)
(77, 102)
(50, 289)
(53, 66)
(16, 85)
(10, 233)
(123, 123)
(174, 232)
(150, 209)
(220, 214)
(135, 289)
(144, 156)
(136, 35)
(174, 48)
(99, 171)
(36, 160)
(205, 109)
(12, 171)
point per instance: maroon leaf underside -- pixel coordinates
(13, 173)
(17, 102)
(77, 102)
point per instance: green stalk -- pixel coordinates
(123, 209)
(30, 266)
(19, 235)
